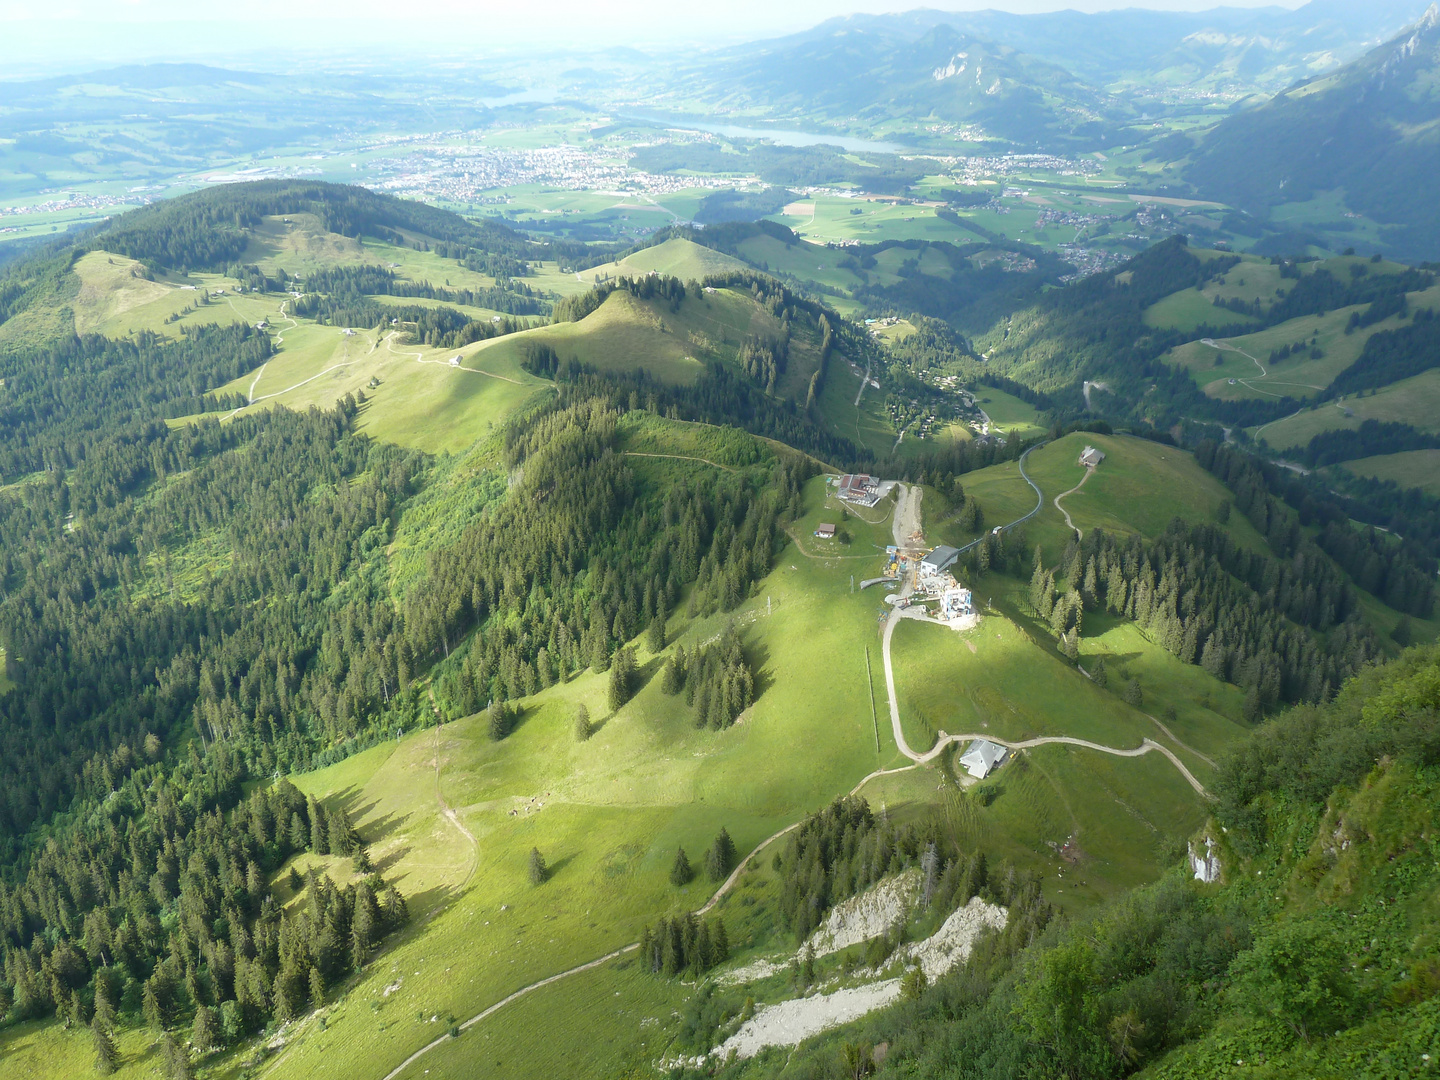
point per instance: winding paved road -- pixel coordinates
(896, 614)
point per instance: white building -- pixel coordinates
(455, 361)
(956, 603)
(982, 758)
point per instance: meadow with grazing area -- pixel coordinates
(1414, 401)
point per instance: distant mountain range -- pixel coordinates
(1050, 80)
(878, 68)
(1369, 132)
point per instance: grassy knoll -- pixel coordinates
(1414, 401)
(1413, 468)
(683, 259)
(1009, 414)
(419, 399)
(996, 680)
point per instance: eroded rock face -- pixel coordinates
(1205, 864)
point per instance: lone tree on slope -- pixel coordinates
(681, 871)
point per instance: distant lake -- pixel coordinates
(778, 135)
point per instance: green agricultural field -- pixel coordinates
(1413, 468)
(1011, 416)
(829, 218)
(1414, 401)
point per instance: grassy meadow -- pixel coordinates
(1412, 468)
(1414, 401)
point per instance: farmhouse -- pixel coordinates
(1090, 457)
(826, 531)
(939, 560)
(455, 361)
(982, 757)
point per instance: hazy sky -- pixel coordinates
(31, 31)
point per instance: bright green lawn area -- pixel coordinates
(1413, 468)
(1188, 310)
(1414, 401)
(34, 1050)
(1013, 417)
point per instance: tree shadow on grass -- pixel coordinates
(554, 868)
(758, 654)
(385, 865)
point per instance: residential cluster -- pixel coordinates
(463, 173)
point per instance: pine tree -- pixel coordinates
(299, 836)
(673, 679)
(1402, 635)
(622, 671)
(205, 1033)
(680, 870)
(583, 730)
(317, 987)
(177, 1061)
(319, 833)
(107, 1057)
(538, 871)
(720, 940)
(655, 636)
(104, 1007)
(500, 720)
(720, 859)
